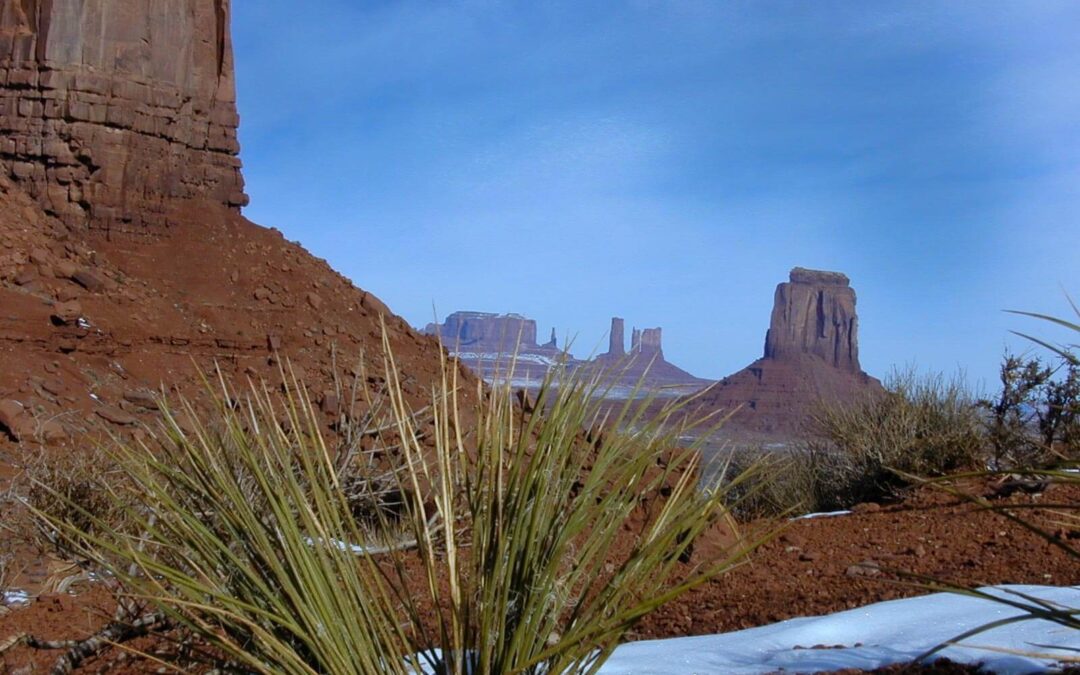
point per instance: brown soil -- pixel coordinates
(812, 567)
(93, 325)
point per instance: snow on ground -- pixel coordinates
(871, 637)
(14, 597)
(824, 514)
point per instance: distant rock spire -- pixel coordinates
(617, 339)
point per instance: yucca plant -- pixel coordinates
(518, 554)
(541, 573)
(242, 524)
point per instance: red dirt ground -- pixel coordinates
(812, 567)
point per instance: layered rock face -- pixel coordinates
(811, 357)
(486, 332)
(493, 344)
(814, 313)
(119, 116)
(112, 110)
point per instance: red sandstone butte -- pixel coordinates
(112, 109)
(811, 356)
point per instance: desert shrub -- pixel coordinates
(70, 487)
(920, 425)
(247, 538)
(1035, 418)
(764, 482)
(1010, 422)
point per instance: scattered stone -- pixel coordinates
(66, 313)
(143, 399)
(54, 387)
(25, 277)
(116, 416)
(331, 403)
(65, 269)
(53, 432)
(89, 280)
(15, 420)
(314, 300)
(867, 568)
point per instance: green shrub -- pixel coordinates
(1035, 418)
(248, 538)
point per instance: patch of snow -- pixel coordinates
(14, 597)
(339, 545)
(507, 359)
(826, 514)
(870, 637)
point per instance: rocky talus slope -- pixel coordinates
(125, 265)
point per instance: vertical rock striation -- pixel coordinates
(811, 356)
(112, 110)
(814, 313)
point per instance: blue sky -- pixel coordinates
(669, 162)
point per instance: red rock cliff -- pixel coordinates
(111, 110)
(814, 313)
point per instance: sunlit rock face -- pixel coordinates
(811, 358)
(814, 313)
(112, 111)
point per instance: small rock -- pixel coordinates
(263, 293)
(331, 403)
(89, 280)
(794, 539)
(867, 568)
(39, 256)
(809, 556)
(53, 432)
(116, 416)
(314, 300)
(66, 313)
(25, 277)
(54, 387)
(65, 269)
(273, 343)
(866, 507)
(142, 399)
(15, 420)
